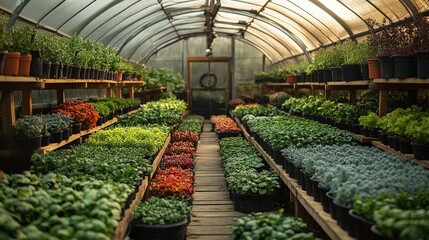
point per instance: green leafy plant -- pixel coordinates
(161, 211)
(355, 53)
(29, 126)
(251, 182)
(258, 226)
(370, 121)
(4, 34)
(21, 38)
(58, 122)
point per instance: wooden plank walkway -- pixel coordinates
(212, 211)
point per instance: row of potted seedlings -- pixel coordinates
(404, 130)
(80, 192)
(224, 126)
(342, 175)
(167, 211)
(391, 51)
(26, 52)
(251, 187)
(67, 119)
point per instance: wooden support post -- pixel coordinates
(27, 102)
(327, 94)
(131, 92)
(109, 92)
(296, 92)
(8, 113)
(352, 95)
(383, 102)
(119, 92)
(61, 96)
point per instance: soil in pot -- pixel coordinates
(253, 203)
(175, 231)
(420, 151)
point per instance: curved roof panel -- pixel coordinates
(278, 28)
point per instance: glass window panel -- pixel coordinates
(9, 5)
(36, 9)
(244, 5)
(422, 5)
(393, 9)
(182, 4)
(230, 17)
(63, 12)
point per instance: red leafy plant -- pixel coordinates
(185, 136)
(173, 182)
(180, 147)
(235, 102)
(80, 112)
(225, 125)
(183, 160)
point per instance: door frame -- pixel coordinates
(190, 60)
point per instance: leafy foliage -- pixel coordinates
(28, 126)
(161, 211)
(270, 226)
(248, 182)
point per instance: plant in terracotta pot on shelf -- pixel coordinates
(4, 41)
(160, 219)
(28, 132)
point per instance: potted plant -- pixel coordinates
(22, 42)
(356, 55)
(160, 219)
(419, 131)
(45, 131)
(4, 41)
(183, 160)
(422, 50)
(57, 124)
(173, 182)
(270, 226)
(370, 124)
(253, 191)
(28, 132)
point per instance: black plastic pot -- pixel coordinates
(360, 228)
(337, 74)
(176, 231)
(2, 58)
(373, 132)
(320, 75)
(54, 70)
(45, 141)
(422, 62)
(77, 127)
(46, 70)
(66, 69)
(351, 72)
(308, 183)
(324, 198)
(75, 72)
(343, 217)
(253, 203)
(29, 143)
(36, 67)
(365, 131)
(327, 75)
(364, 71)
(383, 137)
(420, 151)
(278, 158)
(83, 73)
(405, 66)
(66, 134)
(387, 67)
(396, 143)
(316, 191)
(56, 137)
(332, 207)
(405, 146)
(391, 139)
(356, 128)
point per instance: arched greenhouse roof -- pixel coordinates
(278, 28)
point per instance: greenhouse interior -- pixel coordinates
(214, 119)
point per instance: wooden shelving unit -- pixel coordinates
(122, 227)
(302, 201)
(327, 87)
(9, 84)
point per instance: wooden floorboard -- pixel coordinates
(213, 212)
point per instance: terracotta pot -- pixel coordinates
(119, 77)
(11, 63)
(24, 65)
(374, 68)
(290, 78)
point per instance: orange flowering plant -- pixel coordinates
(80, 112)
(173, 182)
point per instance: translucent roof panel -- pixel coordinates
(278, 28)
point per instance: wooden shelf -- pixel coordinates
(122, 227)
(315, 209)
(409, 157)
(363, 139)
(54, 146)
